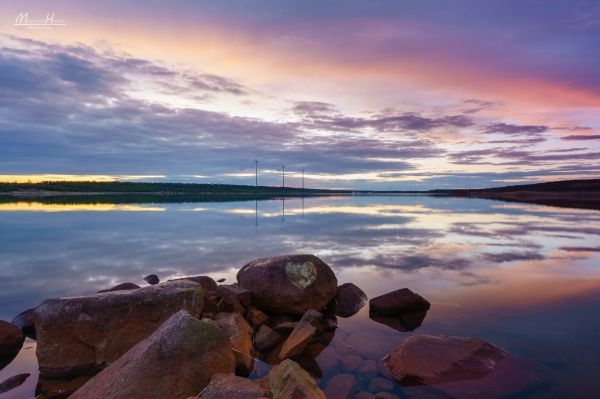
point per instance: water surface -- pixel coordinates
(524, 277)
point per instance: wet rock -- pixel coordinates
(228, 292)
(349, 300)
(266, 338)
(350, 362)
(256, 317)
(13, 382)
(121, 287)
(206, 282)
(24, 321)
(340, 386)
(399, 301)
(240, 334)
(426, 359)
(380, 384)
(227, 386)
(288, 380)
(82, 335)
(59, 388)
(403, 322)
(176, 361)
(289, 284)
(301, 335)
(11, 341)
(152, 279)
(328, 358)
(372, 344)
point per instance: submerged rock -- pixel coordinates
(152, 279)
(82, 335)
(11, 341)
(121, 287)
(289, 284)
(304, 331)
(288, 380)
(426, 359)
(240, 335)
(340, 386)
(176, 361)
(349, 300)
(25, 322)
(227, 386)
(397, 302)
(13, 382)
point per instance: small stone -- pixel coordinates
(266, 338)
(364, 395)
(13, 382)
(386, 395)
(351, 362)
(152, 279)
(301, 335)
(399, 301)
(256, 317)
(240, 334)
(288, 380)
(380, 384)
(369, 367)
(340, 386)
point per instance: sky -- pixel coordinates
(399, 94)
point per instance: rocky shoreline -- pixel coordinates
(193, 337)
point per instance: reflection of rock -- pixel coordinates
(227, 386)
(289, 284)
(288, 380)
(121, 287)
(426, 359)
(304, 331)
(402, 322)
(11, 341)
(176, 361)
(25, 322)
(13, 382)
(399, 301)
(349, 300)
(240, 335)
(152, 279)
(79, 335)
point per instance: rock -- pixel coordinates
(386, 395)
(221, 280)
(364, 395)
(350, 362)
(372, 344)
(121, 287)
(11, 341)
(152, 279)
(399, 301)
(206, 282)
(403, 322)
(288, 380)
(24, 321)
(285, 327)
(328, 358)
(13, 382)
(289, 284)
(330, 322)
(240, 334)
(426, 359)
(379, 384)
(58, 389)
(266, 338)
(340, 386)
(228, 292)
(368, 368)
(256, 317)
(349, 300)
(301, 335)
(176, 361)
(82, 335)
(227, 386)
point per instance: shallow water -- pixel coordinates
(524, 277)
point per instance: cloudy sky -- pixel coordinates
(396, 94)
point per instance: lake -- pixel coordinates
(524, 277)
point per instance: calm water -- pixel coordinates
(524, 277)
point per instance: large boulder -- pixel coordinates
(206, 282)
(176, 361)
(426, 359)
(289, 284)
(82, 335)
(349, 300)
(11, 341)
(398, 302)
(304, 331)
(24, 321)
(227, 386)
(240, 335)
(288, 380)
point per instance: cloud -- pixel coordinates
(582, 137)
(512, 256)
(515, 130)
